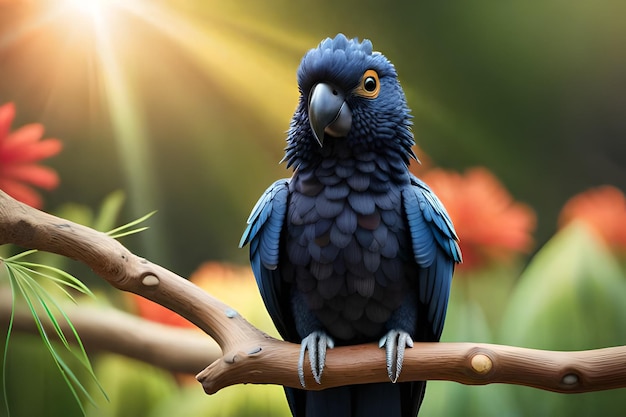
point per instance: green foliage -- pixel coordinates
(239, 401)
(127, 229)
(139, 389)
(40, 285)
(33, 384)
(466, 322)
(134, 388)
(571, 297)
(43, 306)
(110, 210)
(105, 218)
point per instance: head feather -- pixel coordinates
(381, 124)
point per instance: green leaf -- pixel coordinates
(34, 384)
(466, 322)
(570, 297)
(126, 230)
(109, 211)
(6, 346)
(19, 255)
(22, 277)
(66, 279)
(26, 285)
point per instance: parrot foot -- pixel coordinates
(395, 341)
(316, 343)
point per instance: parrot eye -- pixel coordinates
(369, 86)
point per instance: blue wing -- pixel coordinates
(264, 230)
(435, 248)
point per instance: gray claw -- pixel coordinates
(316, 343)
(395, 341)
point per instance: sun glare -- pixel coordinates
(94, 10)
(98, 48)
(88, 7)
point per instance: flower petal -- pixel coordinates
(21, 192)
(38, 175)
(603, 209)
(491, 225)
(7, 113)
(30, 152)
(152, 311)
(26, 134)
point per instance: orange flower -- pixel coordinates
(232, 284)
(490, 224)
(152, 311)
(218, 279)
(235, 286)
(603, 209)
(19, 152)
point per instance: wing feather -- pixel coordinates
(263, 233)
(435, 249)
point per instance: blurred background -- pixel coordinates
(182, 106)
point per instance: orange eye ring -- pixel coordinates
(369, 87)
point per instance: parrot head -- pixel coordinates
(348, 93)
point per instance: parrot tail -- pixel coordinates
(367, 400)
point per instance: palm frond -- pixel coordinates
(23, 281)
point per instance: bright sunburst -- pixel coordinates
(90, 8)
(101, 49)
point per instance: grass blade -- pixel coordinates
(69, 280)
(24, 284)
(19, 255)
(129, 232)
(5, 392)
(123, 230)
(23, 280)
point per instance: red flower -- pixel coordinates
(490, 224)
(603, 209)
(19, 153)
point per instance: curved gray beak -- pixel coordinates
(328, 112)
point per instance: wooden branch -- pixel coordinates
(251, 356)
(33, 229)
(467, 363)
(105, 329)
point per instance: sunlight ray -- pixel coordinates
(131, 138)
(257, 76)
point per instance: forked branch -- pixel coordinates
(251, 356)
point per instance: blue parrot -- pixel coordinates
(352, 248)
